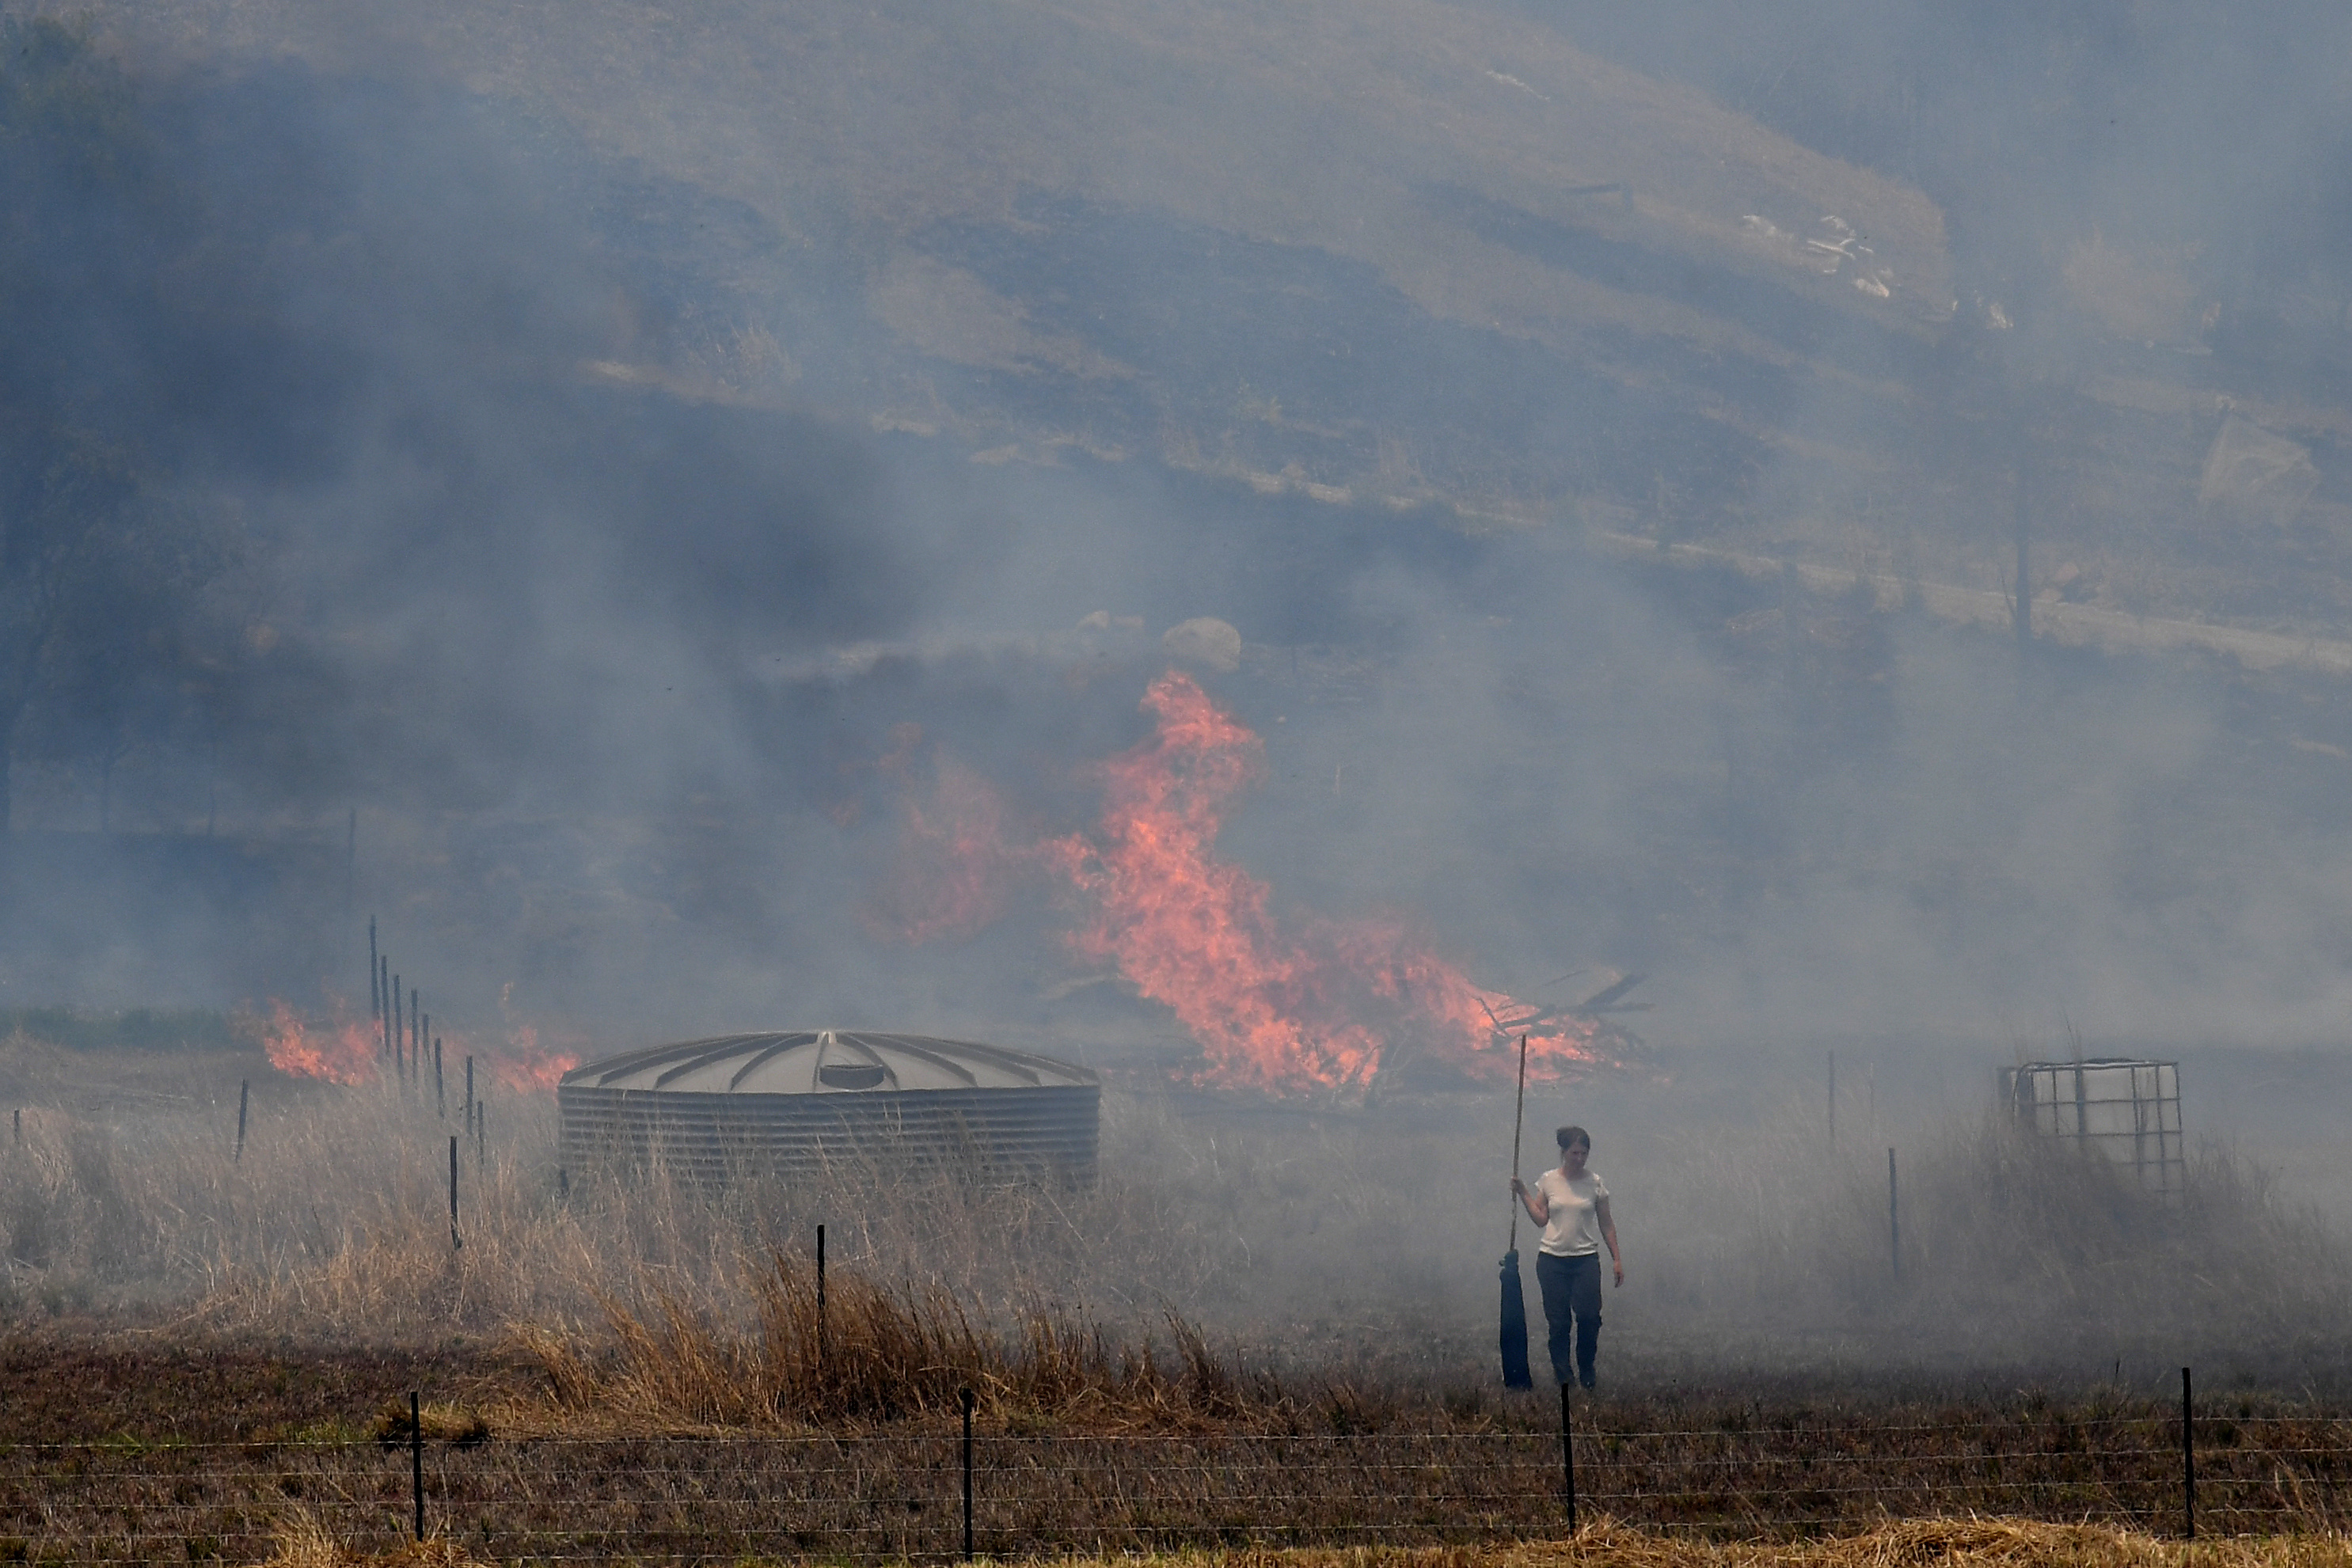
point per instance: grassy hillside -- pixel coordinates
(1521, 212)
(1405, 251)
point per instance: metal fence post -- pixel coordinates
(244, 1095)
(1894, 1221)
(1567, 1458)
(820, 1298)
(2187, 1463)
(417, 1457)
(455, 1239)
(966, 1474)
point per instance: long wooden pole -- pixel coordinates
(1518, 1125)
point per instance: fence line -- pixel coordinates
(900, 1494)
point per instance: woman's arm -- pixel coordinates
(1609, 1234)
(1538, 1207)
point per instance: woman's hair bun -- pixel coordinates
(1573, 1135)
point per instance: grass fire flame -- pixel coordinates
(1302, 1003)
(342, 1048)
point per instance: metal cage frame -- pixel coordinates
(2126, 1108)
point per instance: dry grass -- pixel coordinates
(303, 1541)
(2009, 1242)
(335, 1223)
(892, 1490)
(438, 1423)
(1348, 1255)
(2018, 1543)
(688, 1404)
(1961, 1543)
(873, 1352)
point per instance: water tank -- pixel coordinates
(805, 1103)
(2124, 1108)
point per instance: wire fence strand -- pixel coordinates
(898, 1495)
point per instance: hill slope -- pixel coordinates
(1407, 250)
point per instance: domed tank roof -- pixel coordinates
(825, 1062)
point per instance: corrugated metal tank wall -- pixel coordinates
(801, 1103)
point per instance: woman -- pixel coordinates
(1572, 1206)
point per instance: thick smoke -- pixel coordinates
(689, 523)
(585, 530)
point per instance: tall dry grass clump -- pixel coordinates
(303, 1540)
(867, 1351)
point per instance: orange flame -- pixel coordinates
(519, 1061)
(1326, 1006)
(953, 864)
(343, 1050)
(525, 1064)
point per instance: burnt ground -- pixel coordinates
(188, 1453)
(73, 1388)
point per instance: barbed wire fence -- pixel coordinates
(936, 1495)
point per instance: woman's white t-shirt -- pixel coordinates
(1575, 1227)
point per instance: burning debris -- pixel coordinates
(1280, 1004)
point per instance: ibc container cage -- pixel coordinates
(2125, 1109)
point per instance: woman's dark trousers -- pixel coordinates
(1571, 1288)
